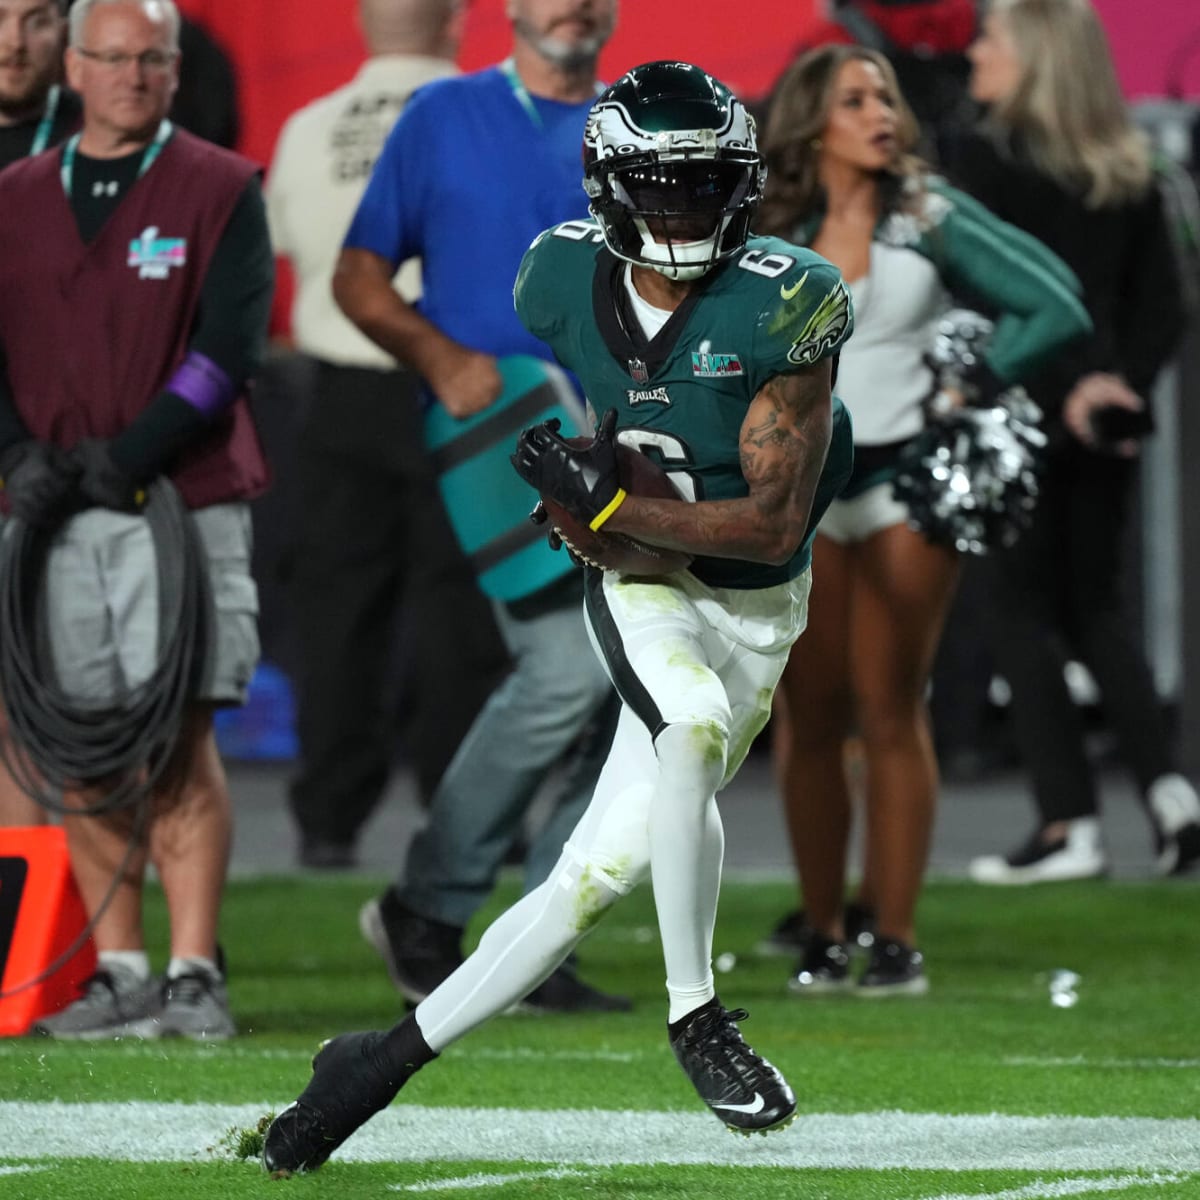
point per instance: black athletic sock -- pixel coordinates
(675, 1027)
(403, 1050)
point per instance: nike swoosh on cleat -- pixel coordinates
(756, 1106)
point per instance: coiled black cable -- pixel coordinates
(56, 743)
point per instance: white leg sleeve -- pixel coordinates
(607, 854)
(687, 844)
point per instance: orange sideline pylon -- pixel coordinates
(41, 914)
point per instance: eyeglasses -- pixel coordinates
(150, 61)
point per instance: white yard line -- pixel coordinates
(524, 1054)
(1053, 1189)
(1119, 1064)
(138, 1049)
(16, 1048)
(467, 1182)
(162, 1051)
(137, 1131)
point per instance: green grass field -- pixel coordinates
(982, 1090)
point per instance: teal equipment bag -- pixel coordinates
(487, 501)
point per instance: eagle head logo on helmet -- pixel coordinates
(672, 169)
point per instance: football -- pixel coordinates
(639, 476)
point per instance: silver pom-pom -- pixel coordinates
(970, 478)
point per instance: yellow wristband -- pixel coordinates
(608, 510)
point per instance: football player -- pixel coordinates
(713, 352)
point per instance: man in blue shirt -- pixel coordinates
(474, 169)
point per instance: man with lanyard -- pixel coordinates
(359, 451)
(36, 112)
(145, 252)
(475, 168)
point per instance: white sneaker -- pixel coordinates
(1078, 855)
(1176, 809)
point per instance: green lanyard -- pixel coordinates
(524, 99)
(151, 152)
(41, 139)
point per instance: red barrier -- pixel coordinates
(286, 54)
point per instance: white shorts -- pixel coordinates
(849, 521)
(680, 652)
(101, 599)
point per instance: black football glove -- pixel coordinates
(101, 482)
(40, 480)
(584, 481)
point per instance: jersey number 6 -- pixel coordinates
(670, 452)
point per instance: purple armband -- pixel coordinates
(203, 384)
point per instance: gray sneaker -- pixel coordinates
(193, 1005)
(112, 1003)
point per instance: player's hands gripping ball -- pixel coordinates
(583, 479)
(582, 482)
(554, 538)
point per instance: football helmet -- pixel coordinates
(671, 168)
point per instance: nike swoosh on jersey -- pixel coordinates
(756, 1107)
(790, 293)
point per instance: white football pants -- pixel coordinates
(696, 669)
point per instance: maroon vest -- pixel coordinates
(92, 333)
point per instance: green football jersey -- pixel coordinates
(682, 397)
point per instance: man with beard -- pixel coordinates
(476, 166)
(360, 686)
(36, 112)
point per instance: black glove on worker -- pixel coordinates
(583, 480)
(40, 480)
(101, 482)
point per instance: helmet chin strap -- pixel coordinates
(682, 273)
(679, 260)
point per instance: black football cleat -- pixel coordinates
(348, 1087)
(741, 1087)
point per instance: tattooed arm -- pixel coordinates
(784, 439)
